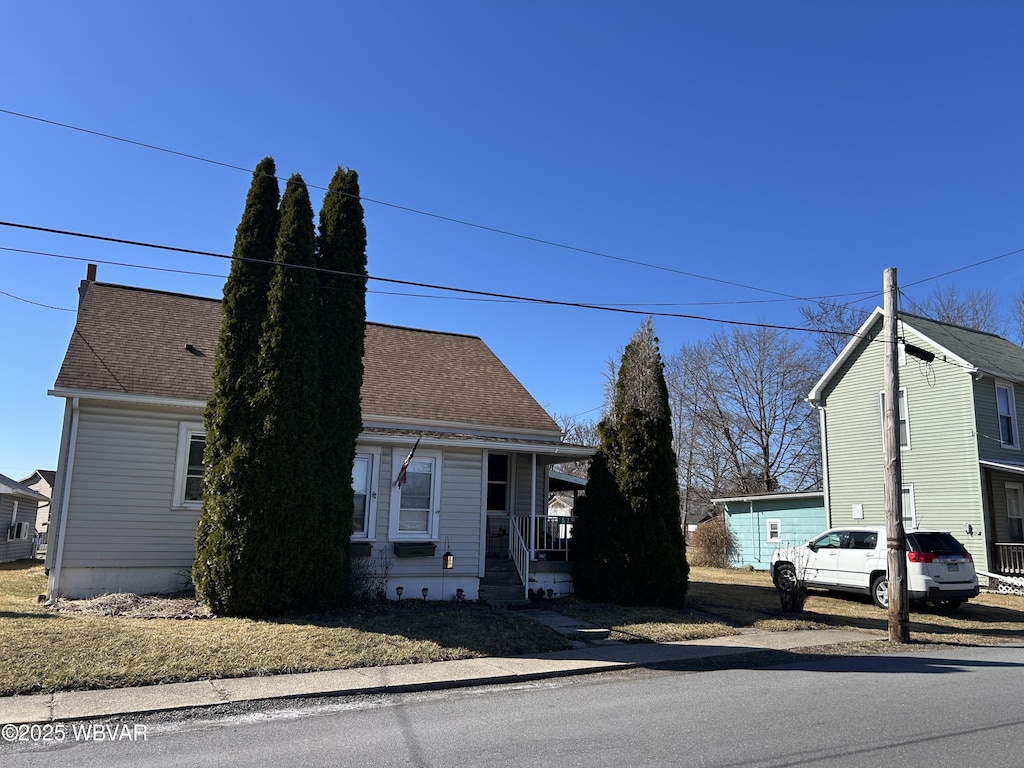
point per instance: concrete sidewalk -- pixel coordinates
(598, 656)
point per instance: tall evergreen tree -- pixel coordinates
(341, 255)
(281, 574)
(632, 508)
(230, 428)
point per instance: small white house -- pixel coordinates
(136, 378)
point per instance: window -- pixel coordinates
(364, 486)
(1015, 510)
(902, 414)
(907, 505)
(188, 467)
(774, 530)
(416, 504)
(497, 482)
(1007, 415)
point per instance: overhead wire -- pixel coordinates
(428, 214)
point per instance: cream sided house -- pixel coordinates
(960, 436)
(136, 377)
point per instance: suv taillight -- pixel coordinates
(921, 557)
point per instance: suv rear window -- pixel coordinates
(936, 543)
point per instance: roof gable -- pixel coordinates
(155, 344)
(971, 349)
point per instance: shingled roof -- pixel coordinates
(147, 343)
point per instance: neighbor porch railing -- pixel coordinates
(1010, 559)
(519, 549)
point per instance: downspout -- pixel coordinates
(68, 456)
(754, 549)
(824, 463)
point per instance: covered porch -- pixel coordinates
(1003, 485)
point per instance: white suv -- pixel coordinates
(853, 559)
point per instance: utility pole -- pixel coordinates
(896, 546)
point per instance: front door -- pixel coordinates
(498, 501)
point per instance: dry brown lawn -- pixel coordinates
(68, 649)
(102, 643)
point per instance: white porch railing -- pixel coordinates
(518, 549)
(1011, 559)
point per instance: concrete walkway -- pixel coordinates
(594, 654)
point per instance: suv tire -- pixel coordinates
(880, 591)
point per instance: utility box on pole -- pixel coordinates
(899, 600)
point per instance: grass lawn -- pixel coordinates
(45, 650)
(721, 601)
(48, 651)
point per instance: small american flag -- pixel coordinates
(400, 480)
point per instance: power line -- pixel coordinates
(417, 211)
(36, 303)
(395, 281)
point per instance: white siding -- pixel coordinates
(120, 510)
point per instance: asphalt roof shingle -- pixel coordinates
(133, 341)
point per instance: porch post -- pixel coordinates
(533, 505)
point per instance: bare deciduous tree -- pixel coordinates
(835, 325)
(977, 309)
(742, 423)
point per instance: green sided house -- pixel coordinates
(136, 377)
(960, 437)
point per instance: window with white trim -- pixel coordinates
(907, 503)
(364, 487)
(1007, 410)
(188, 465)
(902, 414)
(774, 529)
(1015, 510)
(416, 504)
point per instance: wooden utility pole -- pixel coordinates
(896, 549)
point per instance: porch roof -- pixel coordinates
(1003, 466)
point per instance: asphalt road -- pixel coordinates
(951, 707)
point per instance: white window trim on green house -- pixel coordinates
(1006, 409)
(773, 529)
(908, 506)
(903, 416)
(401, 517)
(187, 432)
(369, 459)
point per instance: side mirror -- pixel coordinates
(810, 546)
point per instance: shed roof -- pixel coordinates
(147, 343)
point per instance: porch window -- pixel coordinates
(902, 415)
(188, 467)
(416, 505)
(1015, 510)
(774, 527)
(1007, 415)
(497, 482)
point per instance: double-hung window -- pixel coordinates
(774, 530)
(1007, 409)
(188, 467)
(416, 503)
(364, 487)
(902, 415)
(1015, 510)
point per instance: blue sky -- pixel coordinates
(773, 148)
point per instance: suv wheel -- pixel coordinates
(785, 577)
(880, 591)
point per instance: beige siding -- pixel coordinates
(120, 509)
(942, 461)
